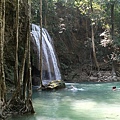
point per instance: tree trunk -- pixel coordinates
(93, 47)
(0, 50)
(16, 52)
(24, 72)
(29, 85)
(41, 44)
(112, 20)
(29, 61)
(45, 15)
(2, 74)
(17, 79)
(27, 107)
(112, 34)
(93, 41)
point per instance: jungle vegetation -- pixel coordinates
(86, 37)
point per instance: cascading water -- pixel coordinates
(50, 70)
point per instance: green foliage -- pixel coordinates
(35, 11)
(75, 10)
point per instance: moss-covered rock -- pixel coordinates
(55, 84)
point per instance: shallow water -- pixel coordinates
(93, 101)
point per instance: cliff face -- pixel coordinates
(72, 43)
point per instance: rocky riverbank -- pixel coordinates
(101, 76)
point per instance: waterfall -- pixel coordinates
(50, 69)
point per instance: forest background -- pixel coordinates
(85, 33)
(76, 27)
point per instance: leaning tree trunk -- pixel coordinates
(24, 72)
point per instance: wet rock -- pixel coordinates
(55, 84)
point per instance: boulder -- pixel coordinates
(55, 84)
